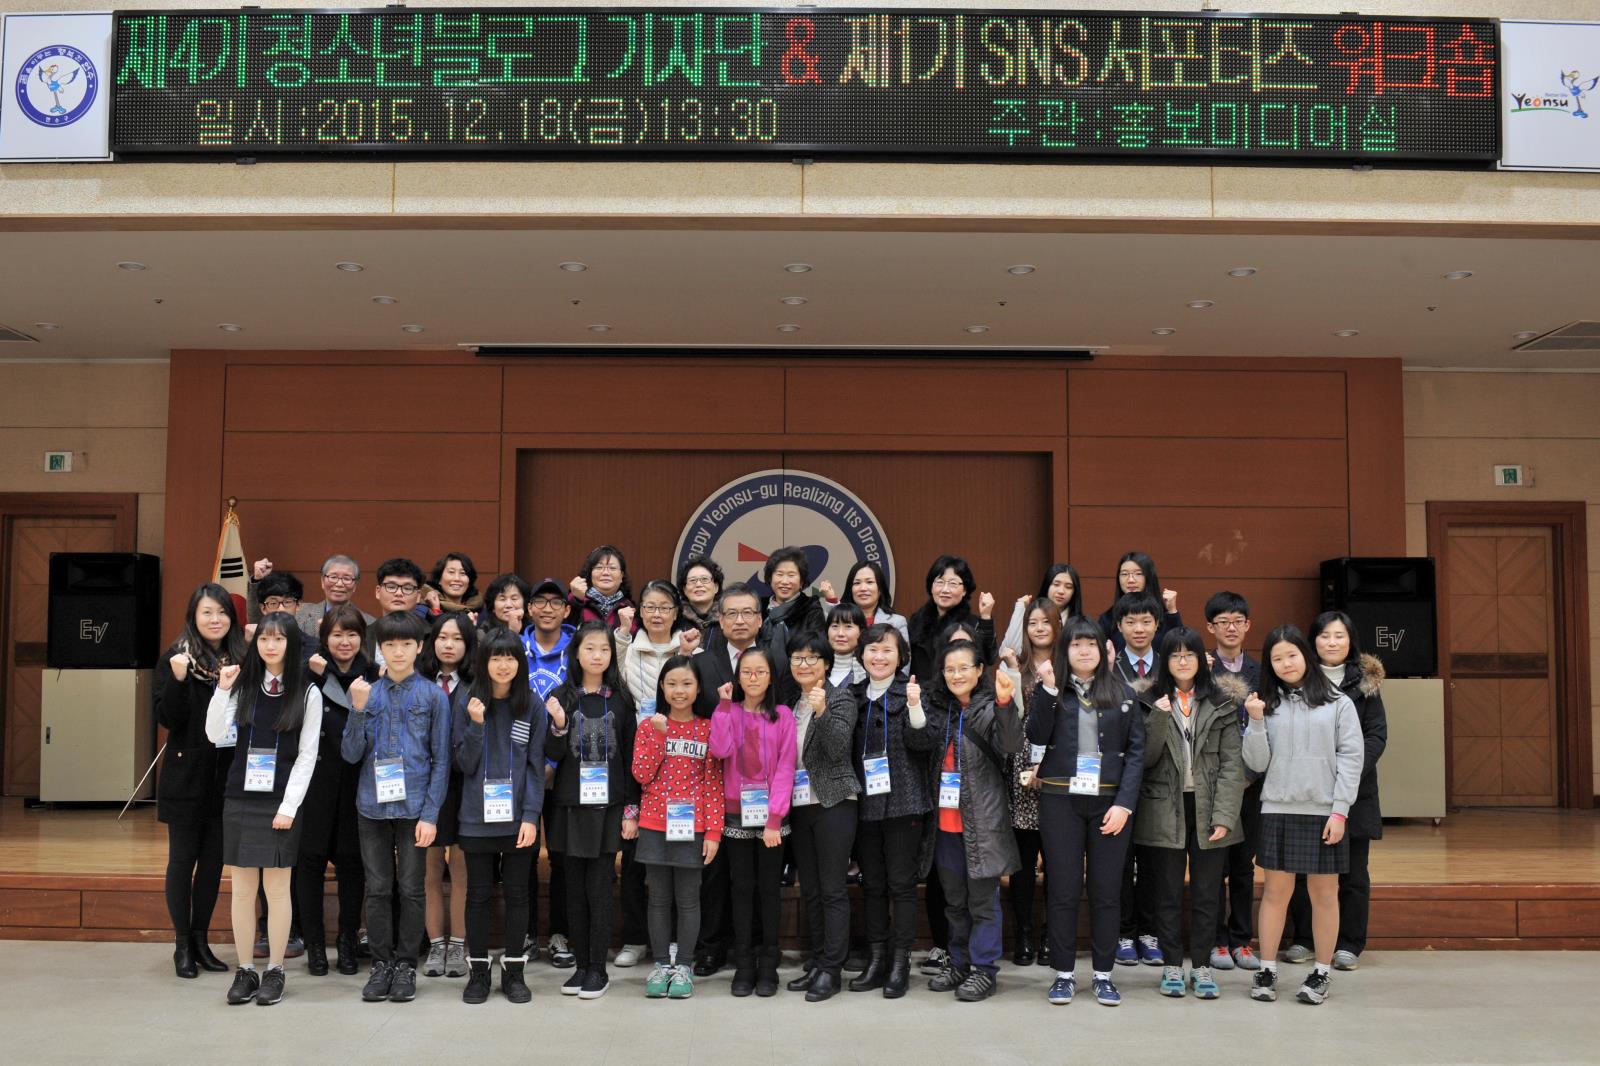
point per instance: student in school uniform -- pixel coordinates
(194, 772)
(1188, 802)
(754, 736)
(1359, 677)
(1061, 587)
(680, 821)
(329, 811)
(1041, 631)
(892, 748)
(1305, 736)
(601, 588)
(596, 799)
(497, 735)
(1137, 616)
(276, 715)
(447, 661)
(1093, 736)
(1136, 572)
(399, 736)
(1228, 621)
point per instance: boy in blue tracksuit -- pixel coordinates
(399, 733)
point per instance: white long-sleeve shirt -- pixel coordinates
(220, 714)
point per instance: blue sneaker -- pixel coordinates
(1062, 989)
(1205, 985)
(1106, 992)
(1150, 951)
(1172, 981)
(1126, 954)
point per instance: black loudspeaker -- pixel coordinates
(105, 611)
(1393, 604)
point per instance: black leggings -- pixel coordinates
(635, 929)
(514, 864)
(1024, 881)
(756, 875)
(673, 886)
(589, 908)
(194, 874)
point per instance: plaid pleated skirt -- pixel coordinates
(1293, 843)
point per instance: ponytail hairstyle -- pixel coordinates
(675, 662)
(1314, 686)
(1105, 691)
(498, 643)
(769, 702)
(254, 673)
(1182, 639)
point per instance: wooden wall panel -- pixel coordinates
(1437, 918)
(1377, 462)
(725, 398)
(1230, 403)
(1215, 543)
(1272, 601)
(376, 399)
(1263, 473)
(1005, 401)
(298, 535)
(1558, 917)
(359, 466)
(195, 503)
(38, 907)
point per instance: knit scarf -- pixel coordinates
(605, 605)
(447, 605)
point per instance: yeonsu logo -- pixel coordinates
(742, 523)
(1567, 100)
(56, 86)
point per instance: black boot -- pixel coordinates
(1022, 952)
(877, 970)
(767, 973)
(899, 975)
(803, 982)
(511, 981)
(744, 974)
(347, 962)
(824, 987)
(202, 955)
(1042, 956)
(316, 957)
(183, 960)
(478, 983)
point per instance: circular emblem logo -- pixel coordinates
(749, 518)
(57, 85)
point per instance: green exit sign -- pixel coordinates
(58, 462)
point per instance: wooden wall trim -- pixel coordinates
(196, 398)
(1375, 440)
(1568, 520)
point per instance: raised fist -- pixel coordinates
(475, 710)
(317, 664)
(625, 618)
(260, 569)
(1164, 704)
(1004, 687)
(688, 641)
(227, 676)
(1047, 673)
(985, 605)
(658, 722)
(1169, 600)
(1255, 707)
(180, 665)
(580, 587)
(360, 692)
(825, 590)
(558, 713)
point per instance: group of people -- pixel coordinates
(715, 735)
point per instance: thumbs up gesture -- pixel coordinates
(1255, 707)
(360, 692)
(818, 698)
(913, 692)
(227, 676)
(475, 710)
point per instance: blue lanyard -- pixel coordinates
(961, 728)
(866, 728)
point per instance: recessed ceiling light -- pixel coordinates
(129, 264)
(385, 300)
(977, 329)
(794, 301)
(349, 268)
(1346, 332)
(1021, 268)
(573, 268)
(599, 327)
(230, 327)
(1164, 331)
(412, 328)
(1201, 305)
(1521, 334)
(1458, 275)
(47, 326)
(1241, 272)
(798, 268)
(788, 327)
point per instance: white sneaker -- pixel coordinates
(434, 966)
(629, 955)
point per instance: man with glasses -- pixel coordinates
(340, 573)
(547, 638)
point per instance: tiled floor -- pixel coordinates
(119, 1003)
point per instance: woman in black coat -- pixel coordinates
(189, 790)
(950, 587)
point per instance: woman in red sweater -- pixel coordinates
(680, 820)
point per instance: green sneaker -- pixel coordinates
(682, 986)
(659, 981)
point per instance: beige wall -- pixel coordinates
(1460, 425)
(113, 416)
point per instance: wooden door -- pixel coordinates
(29, 542)
(1503, 666)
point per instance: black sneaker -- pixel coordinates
(376, 989)
(404, 987)
(595, 983)
(978, 986)
(296, 946)
(1265, 986)
(574, 984)
(478, 982)
(245, 984)
(271, 987)
(1315, 990)
(950, 978)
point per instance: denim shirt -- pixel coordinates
(409, 719)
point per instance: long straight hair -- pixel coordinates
(428, 664)
(498, 643)
(1182, 639)
(1074, 605)
(1152, 583)
(254, 672)
(769, 702)
(611, 676)
(1105, 691)
(1315, 687)
(205, 660)
(1047, 605)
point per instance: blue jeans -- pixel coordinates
(973, 906)
(390, 856)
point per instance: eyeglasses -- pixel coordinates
(957, 671)
(704, 580)
(804, 660)
(547, 603)
(954, 584)
(279, 603)
(658, 608)
(1240, 624)
(608, 568)
(742, 612)
(1183, 657)
(339, 579)
(753, 674)
(398, 590)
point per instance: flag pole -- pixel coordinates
(132, 795)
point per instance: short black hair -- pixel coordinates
(590, 561)
(1326, 619)
(812, 641)
(877, 631)
(1226, 602)
(466, 564)
(703, 561)
(1135, 603)
(399, 625)
(845, 611)
(400, 567)
(789, 553)
(963, 571)
(738, 588)
(280, 583)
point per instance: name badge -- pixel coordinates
(389, 779)
(497, 800)
(877, 773)
(260, 767)
(594, 785)
(1086, 782)
(950, 790)
(802, 789)
(647, 709)
(230, 739)
(1035, 754)
(680, 820)
(753, 807)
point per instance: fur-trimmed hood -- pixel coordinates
(1372, 674)
(1230, 686)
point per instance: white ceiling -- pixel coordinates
(689, 286)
